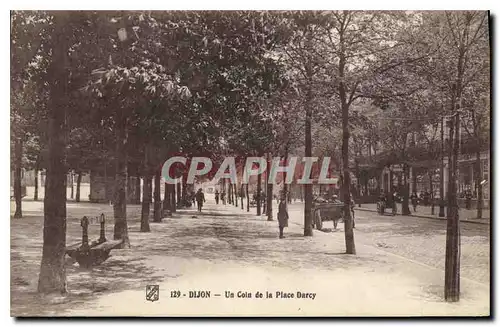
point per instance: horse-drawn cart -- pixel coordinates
(324, 211)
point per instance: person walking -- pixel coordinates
(414, 201)
(223, 197)
(282, 215)
(216, 197)
(382, 202)
(200, 199)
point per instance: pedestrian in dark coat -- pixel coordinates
(282, 215)
(216, 197)
(200, 199)
(414, 201)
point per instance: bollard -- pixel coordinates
(102, 237)
(85, 232)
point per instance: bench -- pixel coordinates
(96, 252)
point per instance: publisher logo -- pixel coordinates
(152, 293)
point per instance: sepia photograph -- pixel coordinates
(250, 163)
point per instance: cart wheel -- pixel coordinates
(318, 222)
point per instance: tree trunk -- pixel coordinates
(248, 198)
(264, 205)
(441, 174)
(166, 201)
(72, 194)
(179, 195)
(184, 189)
(52, 276)
(146, 201)
(157, 216)
(414, 181)
(269, 202)
(405, 206)
(346, 180)
(18, 152)
(308, 230)
(452, 261)
(137, 192)
(78, 184)
(173, 205)
(479, 177)
(35, 196)
(241, 195)
(120, 189)
(269, 192)
(452, 258)
(259, 181)
(233, 191)
(285, 185)
(431, 190)
(235, 195)
(358, 182)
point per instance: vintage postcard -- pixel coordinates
(250, 163)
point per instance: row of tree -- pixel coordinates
(133, 88)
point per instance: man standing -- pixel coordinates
(282, 215)
(223, 197)
(216, 197)
(200, 199)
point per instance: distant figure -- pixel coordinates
(390, 200)
(223, 197)
(468, 198)
(353, 204)
(282, 216)
(426, 197)
(382, 202)
(200, 199)
(382, 197)
(335, 199)
(216, 197)
(414, 201)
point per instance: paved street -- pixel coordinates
(421, 240)
(226, 249)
